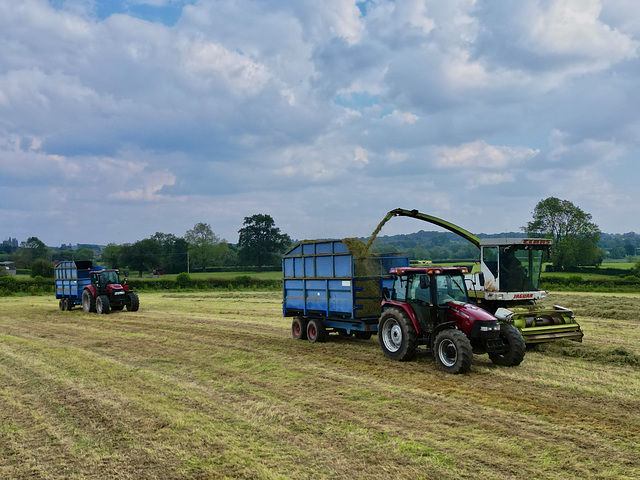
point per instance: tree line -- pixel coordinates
(260, 244)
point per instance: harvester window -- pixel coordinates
(490, 258)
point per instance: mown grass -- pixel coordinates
(211, 385)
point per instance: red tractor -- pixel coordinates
(106, 293)
(430, 306)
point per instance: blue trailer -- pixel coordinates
(71, 278)
(333, 285)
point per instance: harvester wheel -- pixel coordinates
(398, 337)
(516, 347)
(61, 304)
(102, 304)
(453, 351)
(88, 302)
(299, 328)
(316, 331)
(363, 335)
(133, 302)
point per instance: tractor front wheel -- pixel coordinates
(133, 302)
(88, 302)
(299, 328)
(398, 337)
(316, 331)
(453, 351)
(514, 347)
(102, 304)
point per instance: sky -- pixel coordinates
(123, 118)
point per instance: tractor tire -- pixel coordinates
(88, 302)
(102, 304)
(363, 335)
(133, 302)
(398, 337)
(514, 355)
(316, 331)
(61, 304)
(453, 351)
(299, 328)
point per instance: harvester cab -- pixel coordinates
(430, 306)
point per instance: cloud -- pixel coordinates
(480, 154)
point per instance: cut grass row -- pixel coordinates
(213, 386)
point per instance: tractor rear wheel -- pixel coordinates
(299, 328)
(102, 304)
(316, 331)
(133, 302)
(398, 337)
(514, 353)
(88, 302)
(453, 351)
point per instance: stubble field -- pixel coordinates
(211, 385)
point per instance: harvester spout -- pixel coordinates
(400, 212)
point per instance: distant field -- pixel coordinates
(211, 385)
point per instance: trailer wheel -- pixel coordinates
(453, 351)
(68, 304)
(102, 304)
(316, 331)
(88, 302)
(363, 335)
(61, 304)
(299, 328)
(133, 302)
(398, 337)
(516, 347)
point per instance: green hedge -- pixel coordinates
(34, 286)
(578, 284)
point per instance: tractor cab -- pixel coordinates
(106, 281)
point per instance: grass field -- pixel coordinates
(212, 385)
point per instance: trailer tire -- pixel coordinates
(61, 304)
(363, 335)
(133, 302)
(102, 304)
(398, 337)
(88, 302)
(453, 351)
(68, 304)
(316, 331)
(299, 328)
(514, 355)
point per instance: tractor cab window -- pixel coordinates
(451, 288)
(400, 289)
(519, 268)
(420, 288)
(108, 277)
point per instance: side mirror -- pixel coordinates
(481, 279)
(424, 282)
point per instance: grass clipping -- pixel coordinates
(367, 274)
(594, 353)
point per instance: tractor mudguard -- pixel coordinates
(407, 308)
(92, 290)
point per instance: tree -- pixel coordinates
(575, 236)
(202, 242)
(142, 255)
(84, 254)
(42, 267)
(33, 249)
(173, 252)
(261, 242)
(112, 256)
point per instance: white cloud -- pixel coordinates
(480, 154)
(403, 117)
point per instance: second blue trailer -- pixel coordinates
(335, 285)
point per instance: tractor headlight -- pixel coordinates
(490, 328)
